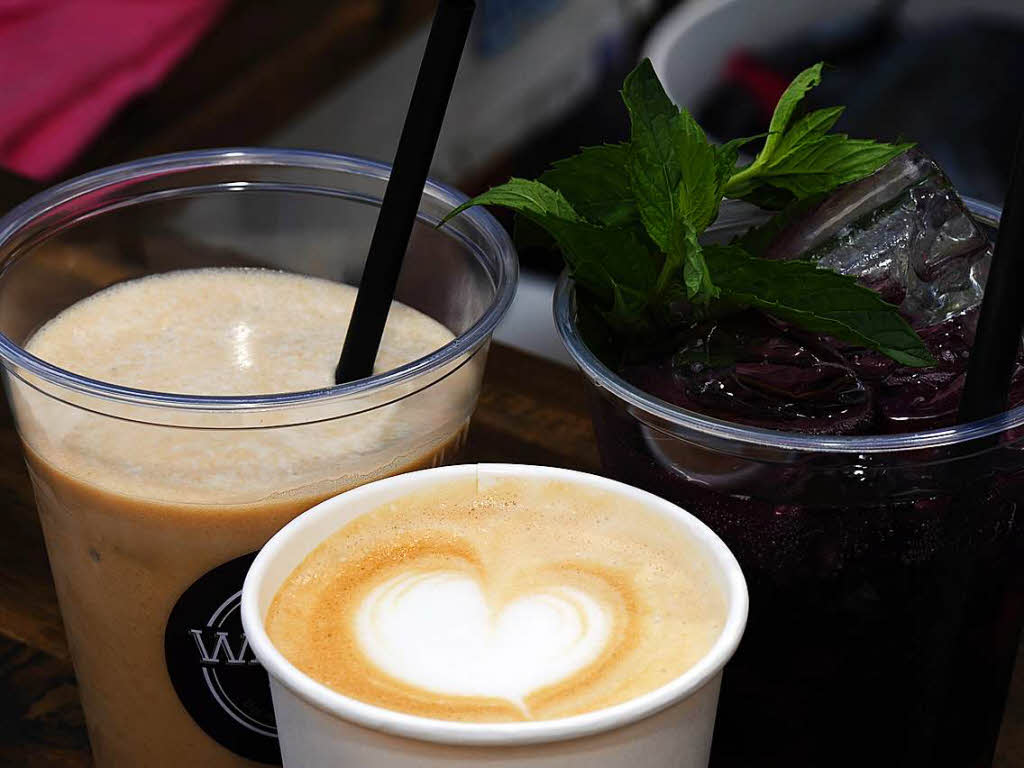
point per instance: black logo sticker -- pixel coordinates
(214, 671)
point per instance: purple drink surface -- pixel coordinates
(757, 371)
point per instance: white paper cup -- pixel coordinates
(669, 727)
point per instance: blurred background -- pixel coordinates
(87, 83)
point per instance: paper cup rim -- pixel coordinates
(452, 732)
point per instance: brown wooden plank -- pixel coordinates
(28, 605)
(532, 411)
(41, 720)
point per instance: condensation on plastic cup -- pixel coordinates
(668, 727)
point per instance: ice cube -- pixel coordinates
(850, 203)
(903, 232)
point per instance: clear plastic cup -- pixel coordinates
(884, 571)
(148, 557)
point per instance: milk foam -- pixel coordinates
(524, 600)
(235, 332)
(437, 630)
(223, 332)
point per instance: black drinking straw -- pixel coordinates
(990, 368)
(986, 393)
(402, 196)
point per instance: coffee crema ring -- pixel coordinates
(518, 603)
(437, 635)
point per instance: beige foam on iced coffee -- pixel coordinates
(527, 600)
(226, 332)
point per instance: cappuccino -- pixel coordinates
(527, 599)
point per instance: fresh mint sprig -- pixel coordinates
(628, 217)
(801, 158)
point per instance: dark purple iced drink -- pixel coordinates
(881, 543)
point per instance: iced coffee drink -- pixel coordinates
(151, 524)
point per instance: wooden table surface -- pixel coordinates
(531, 411)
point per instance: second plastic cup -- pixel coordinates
(884, 570)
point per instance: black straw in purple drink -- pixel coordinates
(997, 341)
(405, 187)
(986, 393)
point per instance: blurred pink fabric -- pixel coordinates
(68, 66)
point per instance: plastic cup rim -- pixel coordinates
(501, 265)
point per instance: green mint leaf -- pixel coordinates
(654, 169)
(725, 164)
(700, 185)
(524, 196)
(613, 264)
(788, 102)
(627, 219)
(800, 158)
(733, 145)
(811, 126)
(596, 184)
(676, 178)
(529, 236)
(699, 286)
(628, 314)
(726, 156)
(605, 259)
(643, 91)
(817, 300)
(685, 258)
(823, 165)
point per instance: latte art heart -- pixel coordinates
(526, 600)
(437, 631)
